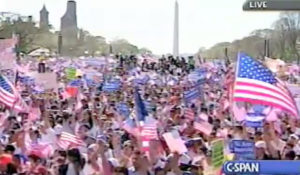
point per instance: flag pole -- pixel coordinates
(234, 83)
(17, 48)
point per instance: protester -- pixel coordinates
(128, 115)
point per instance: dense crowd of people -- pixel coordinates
(102, 140)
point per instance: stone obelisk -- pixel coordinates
(176, 32)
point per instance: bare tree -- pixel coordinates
(291, 24)
(279, 37)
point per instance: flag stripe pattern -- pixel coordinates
(9, 95)
(256, 84)
(67, 139)
(189, 114)
(148, 133)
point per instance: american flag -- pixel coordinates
(67, 140)
(189, 114)
(256, 84)
(140, 108)
(148, 133)
(226, 100)
(10, 97)
(130, 126)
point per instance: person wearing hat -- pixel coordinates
(261, 151)
(5, 160)
(42, 65)
(36, 167)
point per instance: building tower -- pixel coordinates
(69, 30)
(44, 18)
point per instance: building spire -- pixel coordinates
(44, 18)
(44, 8)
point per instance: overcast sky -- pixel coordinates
(149, 23)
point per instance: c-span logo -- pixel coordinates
(240, 167)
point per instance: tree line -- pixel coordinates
(282, 36)
(32, 37)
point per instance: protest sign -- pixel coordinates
(174, 142)
(95, 62)
(255, 119)
(70, 73)
(243, 149)
(218, 153)
(254, 124)
(93, 75)
(8, 53)
(47, 81)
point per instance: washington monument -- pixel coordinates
(176, 32)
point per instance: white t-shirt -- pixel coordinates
(71, 170)
(89, 170)
(49, 136)
(95, 131)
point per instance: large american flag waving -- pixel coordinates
(256, 84)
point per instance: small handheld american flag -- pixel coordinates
(189, 114)
(148, 132)
(67, 140)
